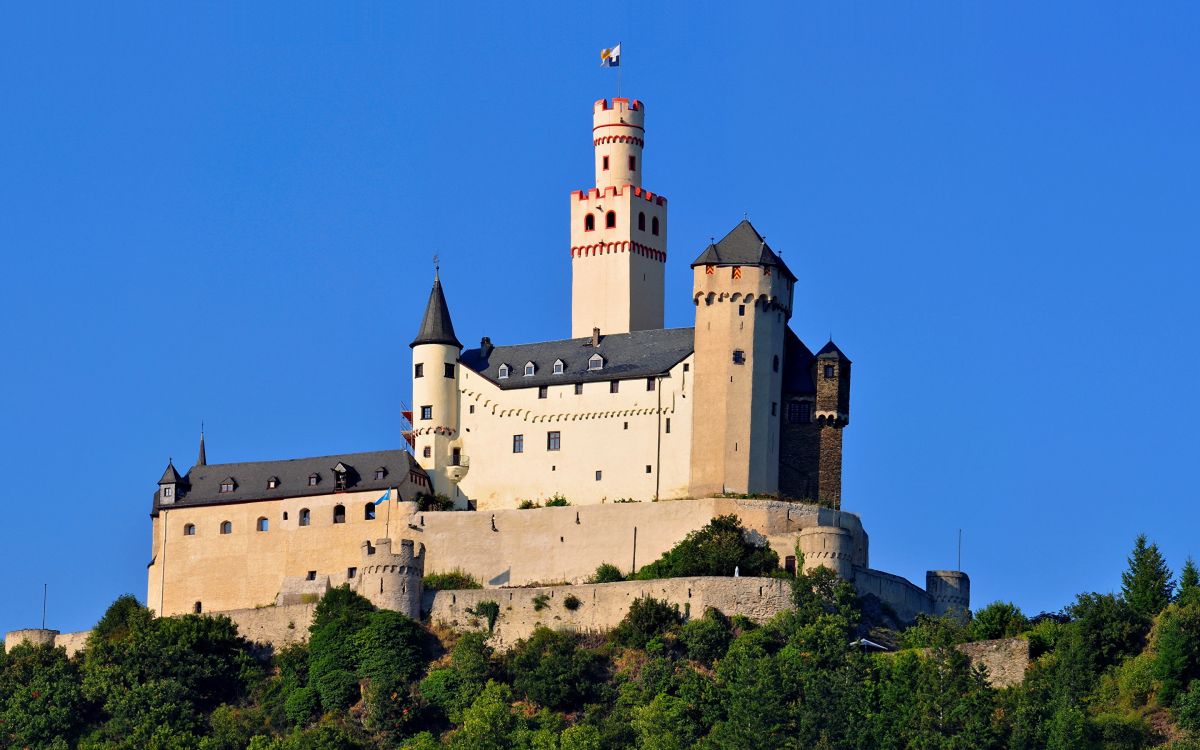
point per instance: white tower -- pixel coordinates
(435, 393)
(618, 231)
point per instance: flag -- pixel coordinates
(611, 58)
(386, 496)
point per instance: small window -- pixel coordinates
(272, 483)
(614, 386)
(641, 221)
(686, 366)
(226, 527)
(305, 517)
(633, 164)
(426, 412)
(654, 226)
(530, 369)
(739, 357)
(471, 410)
(313, 479)
(351, 572)
(427, 452)
(189, 529)
(599, 474)
(553, 440)
(369, 512)
(455, 456)
(589, 222)
(518, 443)
(649, 469)
(339, 481)
(579, 389)
(559, 367)
(774, 408)
(503, 372)
(775, 363)
(604, 163)
(543, 391)
(227, 485)
(168, 491)
(610, 220)
(595, 362)
(419, 370)
(380, 473)
(742, 310)
(626, 427)
(262, 525)
(668, 430)
(799, 412)
(450, 370)
(312, 576)
(649, 384)
(829, 372)
(339, 514)
(285, 515)
(197, 608)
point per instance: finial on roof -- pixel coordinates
(437, 267)
(436, 327)
(202, 459)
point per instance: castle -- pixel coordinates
(648, 433)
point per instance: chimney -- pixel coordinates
(485, 346)
(596, 338)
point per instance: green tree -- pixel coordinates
(1189, 584)
(550, 670)
(332, 646)
(647, 618)
(606, 573)
(41, 700)
(489, 723)
(717, 549)
(454, 688)
(665, 723)
(581, 737)
(1147, 584)
(707, 638)
(1177, 651)
(997, 620)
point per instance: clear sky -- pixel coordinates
(218, 212)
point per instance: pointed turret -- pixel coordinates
(167, 486)
(202, 459)
(436, 327)
(170, 476)
(831, 351)
(743, 246)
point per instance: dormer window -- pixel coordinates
(228, 485)
(596, 362)
(168, 491)
(339, 481)
(313, 479)
(503, 373)
(380, 473)
(272, 483)
(559, 367)
(530, 369)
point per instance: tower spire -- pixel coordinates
(202, 459)
(436, 326)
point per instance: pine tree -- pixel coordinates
(1189, 584)
(1147, 585)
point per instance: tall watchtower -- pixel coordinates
(618, 231)
(435, 392)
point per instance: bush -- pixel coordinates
(997, 620)
(557, 501)
(1187, 709)
(1120, 732)
(427, 502)
(488, 610)
(550, 670)
(606, 573)
(454, 579)
(718, 549)
(647, 618)
(302, 706)
(527, 505)
(572, 602)
(931, 631)
(707, 639)
(540, 602)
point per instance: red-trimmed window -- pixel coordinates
(589, 223)
(610, 220)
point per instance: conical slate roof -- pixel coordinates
(170, 476)
(202, 459)
(436, 327)
(743, 246)
(831, 351)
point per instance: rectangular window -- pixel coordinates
(542, 391)
(605, 162)
(686, 367)
(739, 357)
(668, 424)
(614, 386)
(518, 443)
(741, 310)
(633, 164)
(419, 370)
(450, 369)
(427, 452)
(579, 389)
(598, 475)
(312, 576)
(455, 456)
(649, 384)
(167, 491)
(351, 572)
(472, 409)
(553, 440)
(829, 372)
(648, 469)
(774, 408)
(426, 412)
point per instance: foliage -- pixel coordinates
(707, 639)
(549, 669)
(332, 649)
(1187, 709)
(1189, 584)
(718, 549)
(450, 581)
(606, 573)
(488, 610)
(572, 602)
(557, 501)
(427, 502)
(41, 698)
(997, 620)
(1177, 651)
(646, 619)
(1147, 584)
(540, 602)
(528, 505)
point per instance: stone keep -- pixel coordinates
(393, 580)
(950, 591)
(830, 547)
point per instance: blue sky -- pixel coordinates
(227, 213)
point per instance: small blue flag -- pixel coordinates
(386, 496)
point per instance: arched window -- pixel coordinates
(610, 219)
(589, 222)
(305, 517)
(654, 226)
(226, 527)
(339, 514)
(641, 221)
(369, 512)
(189, 529)
(262, 524)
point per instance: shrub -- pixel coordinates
(489, 610)
(707, 639)
(557, 501)
(1120, 732)
(931, 631)
(647, 618)
(302, 706)
(454, 579)
(540, 602)
(427, 502)
(572, 602)
(549, 669)
(997, 620)
(527, 505)
(606, 573)
(1177, 662)
(626, 500)
(718, 549)
(1187, 709)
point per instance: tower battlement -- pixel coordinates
(615, 107)
(615, 191)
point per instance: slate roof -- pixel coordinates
(169, 476)
(743, 246)
(436, 327)
(831, 351)
(637, 354)
(797, 366)
(201, 485)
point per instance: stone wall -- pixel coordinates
(602, 606)
(906, 598)
(1006, 659)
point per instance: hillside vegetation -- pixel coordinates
(1111, 671)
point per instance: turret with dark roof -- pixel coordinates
(831, 351)
(743, 246)
(436, 327)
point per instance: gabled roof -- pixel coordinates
(202, 484)
(637, 354)
(831, 351)
(436, 327)
(797, 366)
(743, 246)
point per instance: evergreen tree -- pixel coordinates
(1189, 584)
(1147, 584)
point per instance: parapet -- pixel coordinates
(949, 590)
(32, 636)
(380, 554)
(613, 191)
